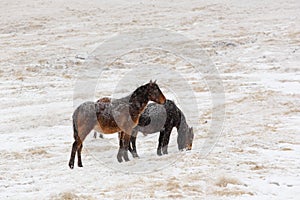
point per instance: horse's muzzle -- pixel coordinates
(189, 147)
(162, 100)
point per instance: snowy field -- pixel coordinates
(44, 46)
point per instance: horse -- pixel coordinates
(162, 118)
(109, 116)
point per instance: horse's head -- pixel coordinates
(189, 139)
(185, 139)
(155, 94)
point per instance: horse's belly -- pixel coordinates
(156, 125)
(150, 129)
(110, 123)
(106, 127)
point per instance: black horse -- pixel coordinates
(162, 118)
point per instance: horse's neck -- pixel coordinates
(182, 126)
(138, 101)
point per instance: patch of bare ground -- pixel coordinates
(175, 196)
(258, 167)
(224, 181)
(289, 142)
(173, 185)
(12, 155)
(232, 192)
(71, 196)
(39, 151)
(230, 186)
(192, 189)
(286, 149)
(30, 153)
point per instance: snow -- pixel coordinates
(255, 45)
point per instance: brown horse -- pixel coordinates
(112, 115)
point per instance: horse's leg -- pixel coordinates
(77, 146)
(73, 153)
(79, 155)
(124, 140)
(126, 146)
(84, 120)
(160, 142)
(133, 143)
(74, 146)
(166, 139)
(84, 131)
(130, 149)
(121, 146)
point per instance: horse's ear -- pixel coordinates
(154, 81)
(151, 81)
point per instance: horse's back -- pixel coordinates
(86, 109)
(110, 115)
(155, 117)
(152, 119)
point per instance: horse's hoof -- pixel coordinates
(135, 156)
(119, 159)
(159, 153)
(80, 165)
(126, 158)
(71, 165)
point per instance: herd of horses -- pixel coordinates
(128, 116)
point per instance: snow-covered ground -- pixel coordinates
(254, 44)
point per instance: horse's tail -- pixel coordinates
(75, 130)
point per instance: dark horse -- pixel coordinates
(112, 115)
(162, 118)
